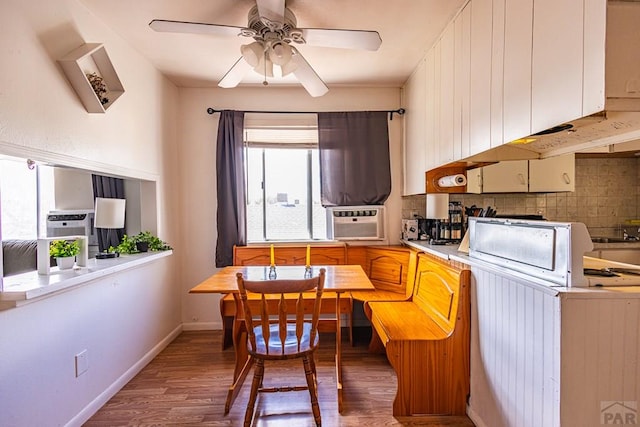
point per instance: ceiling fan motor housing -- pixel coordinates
(262, 29)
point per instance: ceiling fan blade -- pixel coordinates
(163, 25)
(235, 74)
(307, 76)
(273, 10)
(346, 39)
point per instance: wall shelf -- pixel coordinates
(92, 58)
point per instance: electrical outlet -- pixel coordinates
(82, 363)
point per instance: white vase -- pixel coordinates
(66, 263)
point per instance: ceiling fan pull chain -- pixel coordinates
(265, 82)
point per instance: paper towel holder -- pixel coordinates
(434, 175)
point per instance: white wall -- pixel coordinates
(198, 132)
(119, 319)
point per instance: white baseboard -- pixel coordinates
(202, 326)
(110, 391)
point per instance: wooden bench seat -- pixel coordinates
(426, 339)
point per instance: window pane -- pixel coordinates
(255, 201)
(319, 212)
(292, 208)
(18, 188)
(286, 192)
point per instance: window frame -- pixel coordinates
(274, 126)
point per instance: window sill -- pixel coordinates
(29, 287)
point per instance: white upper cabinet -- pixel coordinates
(480, 87)
(414, 131)
(447, 74)
(557, 62)
(516, 109)
(474, 180)
(462, 85)
(552, 174)
(506, 177)
(503, 70)
(431, 139)
(497, 72)
(623, 60)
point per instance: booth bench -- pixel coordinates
(426, 339)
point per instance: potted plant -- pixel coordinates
(145, 241)
(64, 251)
(141, 242)
(127, 245)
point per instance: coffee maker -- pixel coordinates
(424, 229)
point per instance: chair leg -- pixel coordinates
(310, 373)
(258, 375)
(312, 362)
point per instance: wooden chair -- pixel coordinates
(277, 333)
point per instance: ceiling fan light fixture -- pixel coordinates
(252, 53)
(288, 68)
(280, 53)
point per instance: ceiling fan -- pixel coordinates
(274, 28)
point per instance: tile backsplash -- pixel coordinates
(607, 193)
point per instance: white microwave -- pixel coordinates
(355, 223)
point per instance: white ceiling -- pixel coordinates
(407, 28)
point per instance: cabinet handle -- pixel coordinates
(521, 178)
(567, 180)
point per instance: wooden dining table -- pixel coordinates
(338, 279)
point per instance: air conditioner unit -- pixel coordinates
(355, 223)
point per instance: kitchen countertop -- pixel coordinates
(451, 252)
(28, 287)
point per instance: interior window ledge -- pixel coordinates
(29, 287)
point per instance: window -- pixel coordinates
(26, 196)
(283, 181)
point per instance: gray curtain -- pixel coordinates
(109, 188)
(354, 158)
(231, 216)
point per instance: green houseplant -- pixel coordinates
(64, 251)
(151, 242)
(141, 242)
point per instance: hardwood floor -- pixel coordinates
(186, 385)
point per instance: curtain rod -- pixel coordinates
(399, 111)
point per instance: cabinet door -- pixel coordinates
(552, 174)
(596, 14)
(414, 136)
(462, 85)
(480, 88)
(517, 70)
(497, 73)
(623, 78)
(556, 79)
(506, 177)
(474, 180)
(446, 95)
(430, 128)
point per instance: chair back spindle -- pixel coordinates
(275, 316)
